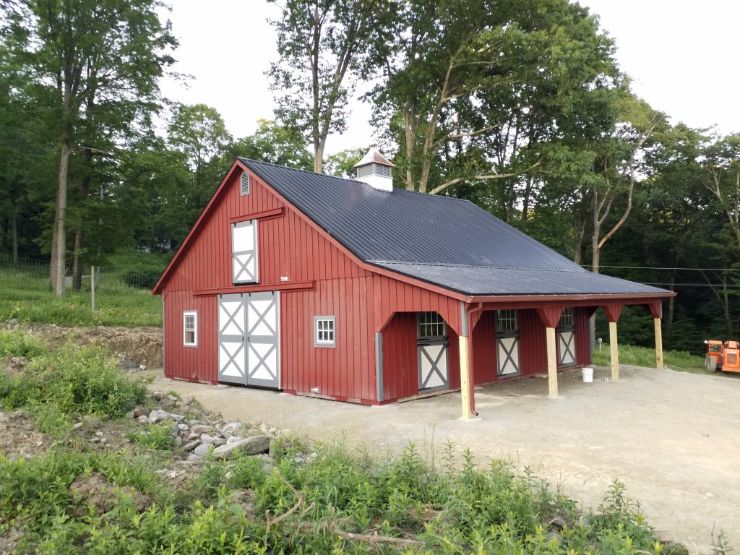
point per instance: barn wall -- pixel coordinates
(190, 363)
(288, 245)
(583, 351)
(345, 372)
(401, 362)
(400, 366)
(484, 349)
(532, 343)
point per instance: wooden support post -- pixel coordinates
(465, 376)
(552, 363)
(614, 349)
(658, 344)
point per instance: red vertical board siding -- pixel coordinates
(400, 366)
(484, 349)
(532, 343)
(583, 349)
(190, 363)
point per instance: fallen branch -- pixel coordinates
(300, 499)
(374, 538)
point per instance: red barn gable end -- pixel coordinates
(289, 299)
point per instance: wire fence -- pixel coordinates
(22, 275)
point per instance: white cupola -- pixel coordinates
(375, 170)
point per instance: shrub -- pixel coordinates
(75, 381)
(14, 343)
(155, 436)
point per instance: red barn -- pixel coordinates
(354, 291)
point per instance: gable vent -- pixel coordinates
(246, 184)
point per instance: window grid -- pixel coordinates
(566, 319)
(190, 329)
(324, 331)
(431, 325)
(246, 184)
(506, 321)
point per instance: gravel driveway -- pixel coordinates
(672, 437)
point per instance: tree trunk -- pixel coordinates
(14, 236)
(318, 155)
(671, 301)
(76, 267)
(525, 201)
(53, 254)
(61, 212)
(595, 248)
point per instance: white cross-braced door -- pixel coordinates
(263, 339)
(244, 252)
(508, 356)
(232, 362)
(507, 342)
(567, 347)
(433, 366)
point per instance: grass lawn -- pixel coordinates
(645, 356)
(26, 297)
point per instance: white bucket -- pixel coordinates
(588, 375)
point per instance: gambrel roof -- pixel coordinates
(445, 241)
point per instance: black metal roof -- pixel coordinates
(442, 240)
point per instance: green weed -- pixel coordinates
(644, 356)
(155, 436)
(74, 381)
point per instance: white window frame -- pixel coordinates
(254, 224)
(329, 329)
(185, 315)
(245, 178)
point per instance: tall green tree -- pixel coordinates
(110, 51)
(276, 144)
(199, 133)
(323, 47)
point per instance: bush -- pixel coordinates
(75, 381)
(155, 436)
(18, 344)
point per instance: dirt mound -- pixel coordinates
(95, 490)
(19, 437)
(13, 366)
(133, 347)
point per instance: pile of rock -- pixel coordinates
(198, 434)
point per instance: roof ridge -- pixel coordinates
(395, 189)
(491, 267)
(243, 159)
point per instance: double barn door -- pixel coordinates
(249, 339)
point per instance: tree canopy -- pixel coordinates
(516, 105)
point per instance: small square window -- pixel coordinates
(246, 184)
(190, 329)
(324, 332)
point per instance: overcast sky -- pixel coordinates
(683, 56)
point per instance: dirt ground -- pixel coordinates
(672, 437)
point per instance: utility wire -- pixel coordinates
(666, 268)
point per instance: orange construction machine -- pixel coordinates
(722, 355)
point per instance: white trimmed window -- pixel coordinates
(245, 184)
(190, 328)
(324, 333)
